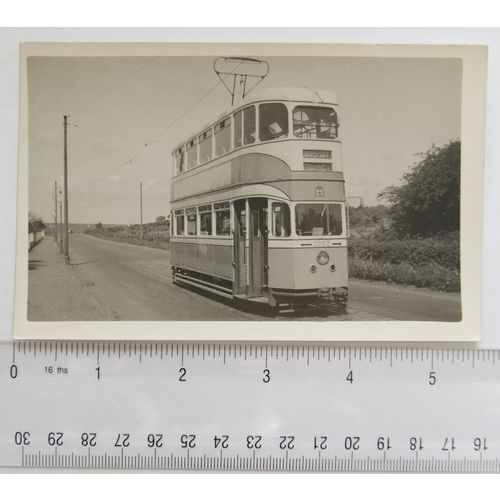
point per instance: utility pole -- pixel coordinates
(55, 215)
(66, 219)
(140, 196)
(61, 241)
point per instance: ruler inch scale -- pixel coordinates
(250, 407)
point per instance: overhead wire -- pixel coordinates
(173, 122)
(113, 134)
(119, 82)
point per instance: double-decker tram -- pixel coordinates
(258, 202)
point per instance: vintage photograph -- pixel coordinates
(246, 184)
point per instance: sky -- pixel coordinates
(390, 109)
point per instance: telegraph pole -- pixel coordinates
(61, 241)
(66, 219)
(140, 197)
(55, 216)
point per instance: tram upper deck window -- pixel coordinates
(249, 125)
(179, 222)
(238, 128)
(281, 219)
(192, 154)
(222, 219)
(205, 145)
(314, 122)
(318, 219)
(244, 127)
(191, 221)
(180, 163)
(273, 121)
(223, 137)
(205, 212)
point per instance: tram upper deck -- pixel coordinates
(275, 137)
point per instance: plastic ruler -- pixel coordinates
(248, 407)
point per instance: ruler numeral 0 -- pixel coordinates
(13, 371)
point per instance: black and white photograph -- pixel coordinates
(305, 192)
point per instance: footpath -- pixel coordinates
(55, 290)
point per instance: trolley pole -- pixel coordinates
(61, 237)
(55, 215)
(66, 218)
(140, 198)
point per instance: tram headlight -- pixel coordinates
(313, 268)
(322, 258)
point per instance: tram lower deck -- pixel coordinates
(263, 259)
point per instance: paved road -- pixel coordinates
(128, 282)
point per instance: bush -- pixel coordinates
(425, 262)
(443, 250)
(427, 275)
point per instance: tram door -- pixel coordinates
(257, 248)
(240, 264)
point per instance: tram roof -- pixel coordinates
(298, 94)
(306, 94)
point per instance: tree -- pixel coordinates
(160, 219)
(428, 200)
(99, 226)
(35, 223)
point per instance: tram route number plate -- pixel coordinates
(248, 407)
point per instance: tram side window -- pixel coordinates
(223, 137)
(238, 129)
(179, 161)
(318, 219)
(191, 221)
(179, 222)
(281, 219)
(205, 142)
(222, 219)
(205, 220)
(192, 154)
(273, 121)
(249, 125)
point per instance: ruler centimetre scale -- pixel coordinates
(248, 407)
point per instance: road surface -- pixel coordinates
(117, 281)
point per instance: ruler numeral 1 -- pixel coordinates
(98, 370)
